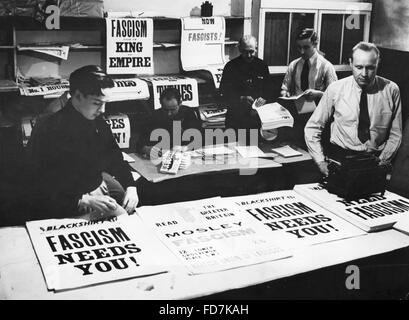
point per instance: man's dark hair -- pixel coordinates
(170, 93)
(308, 33)
(90, 80)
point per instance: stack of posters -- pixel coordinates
(376, 212)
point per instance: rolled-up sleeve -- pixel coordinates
(316, 125)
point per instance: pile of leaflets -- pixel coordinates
(212, 117)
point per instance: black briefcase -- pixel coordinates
(356, 176)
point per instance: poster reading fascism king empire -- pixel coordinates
(129, 46)
(376, 212)
(294, 221)
(208, 235)
(76, 253)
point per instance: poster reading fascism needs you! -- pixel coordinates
(129, 46)
(208, 235)
(75, 253)
(294, 221)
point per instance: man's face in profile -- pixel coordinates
(364, 66)
(306, 48)
(170, 107)
(91, 106)
(248, 50)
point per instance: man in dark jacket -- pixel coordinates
(245, 79)
(78, 166)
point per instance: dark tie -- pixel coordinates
(304, 75)
(364, 122)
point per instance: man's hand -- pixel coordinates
(311, 94)
(284, 93)
(100, 203)
(131, 199)
(247, 100)
(323, 167)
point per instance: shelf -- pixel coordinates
(166, 45)
(6, 47)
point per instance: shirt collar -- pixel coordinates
(312, 59)
(370, 88)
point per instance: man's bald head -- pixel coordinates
(248, 47)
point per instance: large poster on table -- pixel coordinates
(187, 88)
(75, 253)
(129, 46)
(202, 45)
(209, 235)
(294, 221)
(373, 213)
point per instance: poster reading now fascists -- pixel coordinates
(292, 220)
(121, 129)
(187, 88)
(202, 45)
(208, 235)
(129, 89)
(376, 212)
(129, 46)
(75, 253)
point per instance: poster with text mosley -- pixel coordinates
(209, 235)
(292, 220)
(75, 253)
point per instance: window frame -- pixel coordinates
(318, 8)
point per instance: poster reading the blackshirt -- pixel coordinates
(202, 45)
(129, 46)
(187, 88)
(208, 235)
(293, 221)
(373, 213)
(75, 253)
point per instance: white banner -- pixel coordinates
(129, 46)
(373, 213)
(76, 253)
(187, 88)
(44, 90)
(202, 42)
(208, 235)
(294, 221)
(129, 89)
(121, 129)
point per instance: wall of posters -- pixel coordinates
(129, 46)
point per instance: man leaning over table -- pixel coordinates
(366, 111)
(77, 166)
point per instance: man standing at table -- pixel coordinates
(77, 165)
(311, 73)
(245, 79)
(366, 109)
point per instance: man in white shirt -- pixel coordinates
(366, 111)
(311, 73)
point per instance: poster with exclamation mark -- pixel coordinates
(121, 129)
(293, 220)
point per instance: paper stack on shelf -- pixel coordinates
(212, 117)
(41, 86)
